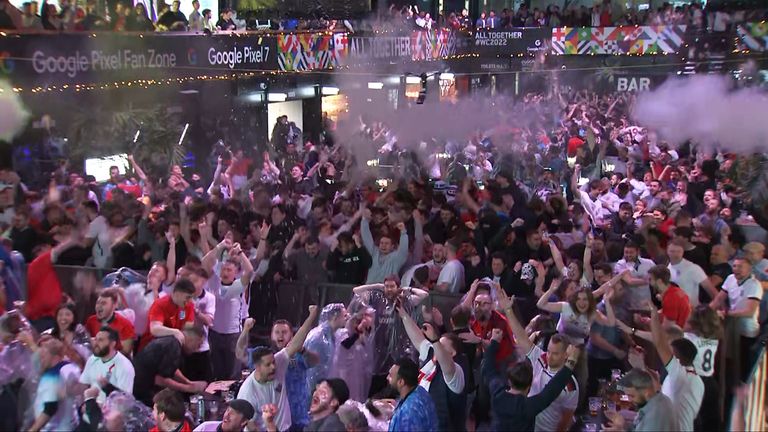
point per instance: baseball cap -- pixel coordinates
(243, 407)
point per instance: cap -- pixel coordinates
(243, 407)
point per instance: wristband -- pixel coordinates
(634, 330)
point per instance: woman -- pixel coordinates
(139, 21)
(705, 330)
(77, 345)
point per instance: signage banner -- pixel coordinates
(84, 59)
(754, 35)
(511, 41)
(663, 39)
(418, 45)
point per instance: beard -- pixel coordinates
(483, 316)
(100, 352)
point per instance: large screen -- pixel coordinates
(99, 167)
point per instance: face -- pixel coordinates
(312, 249)
(625, 214)
(228, 273)
(296, 173)
(630, 254)
(105, 307)
(385, 245)
(175, 6)
(322, 399)
(180, 299)
(102, 346)
(281, 335)
(482, 307)
(438, 253)
(233, 421)
(754, 255)
(497, 266)
(391, 290)
(534, 241)
(114, 173)
(639, 206)
(64, 318)
(708, 195)
(573, 271)
(20, 220)
(157, 274)
(582, 302)
(741, 268)
(340, 320)
(601, 277)
(265, 370)
(392, 379)
(637, 397)
(675, 253)
(556, 354)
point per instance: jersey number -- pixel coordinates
(706, 364)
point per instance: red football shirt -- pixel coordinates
(483, 330)
(43, 288)
(675, 305)
(166, 311)
(119, 323)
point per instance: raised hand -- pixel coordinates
(497, 334)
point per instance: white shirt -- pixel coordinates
(452, 274)
(706, 353)
(686, 390)
(229, 304)
(568, 399)
(271, 392)
(636, 296)
(205, 305)
(689, 276)
(118, 371)
(738, 296)
(99, 230)
(139, 300)
(428, 371)
(592, 207)
(574, 327)
(52, 388)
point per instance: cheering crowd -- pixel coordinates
(584, 256)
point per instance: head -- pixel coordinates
(704, 322)
(175, 6)
(438, 253)
(312, 246)
(229, 271)
(168, 409)
(106, 304)
(719, 255)
(625, 211)
(158, 273)
(335, 314)
(498, 263)
(105, 342)
(556, 351)
(533, 238)
(386, 245)
(297, 173)
(195, 5)
(278, 214)
(654, 187)
(237, 415)
(659, 278)
(403, 376)
(582, 302)
(281, 333)
(328, 396)
(742, 268)
(638, 385)
(631, 252)
(264, 367)
(183, 292)
(684, 350)
(391, 287)
(520, 376)
(482, 307)
(114, 173)
(193, 339)
(346, 243)
(353, 419)
(675, 251)
(602, 272)
(65, 317)
(754, 252)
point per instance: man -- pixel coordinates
(264, 387)
(436, 264)
(607, 346)
(105, 316)
(307, 263)
(174, 19)
(638, 293)
(415, 409)
(675, 305)
(590, 199)
(656, 411)
(169, 412)
(54, 408)
(451, 279)
(197, 366)
(622, 223)
(690, 277)
(235, 418)
(114, 180)
(682, 386)
(744, 293)
(322, 341)
(484, 320)
(329, 395)
(158, 365)
(755, 254)
(500, 274)
(720, 268)
(512, 408)
(348, 263)
(169, 315)
(558, 416)
(440, 374)
(386, 260)
(23, 236)
(195, 19)
(390, 340)
(108, 369)
(229, 290)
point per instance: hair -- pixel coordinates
(660, 272)
(637, 379)
(70, 307)
(704, 322)
(195, 330)
(184, 285)
(499, 256)
(684, 350)
(625, 206)
(12, 323)
(111, 333)
(460, 315)
(312, 240)
(421, 274)
(352, 418)
(281, 322)
(559, 339)
(603, 267)
(408, 371)
(678, 242)
(171, 404)
(110, 293)
(520, 375)
(632, 245)
(260, 352)
(53, 345)
(339, 387)
(392, 278)
(590, 299)
(346, 237)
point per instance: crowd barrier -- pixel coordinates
(748, 413)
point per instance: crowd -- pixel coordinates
(578, 245)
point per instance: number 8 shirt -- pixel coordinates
(704, 363)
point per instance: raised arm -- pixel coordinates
(241, 348)
(609, 319)
(587, 263)
(659, 336)
(137, 168)
(365, 232)
(301, 335)
(557, 257)
(212, 257)
(411, 328)
(610, 284)
(245, 265)
(170, 260)
(364, 291)
(505, 304)
(545, 304)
